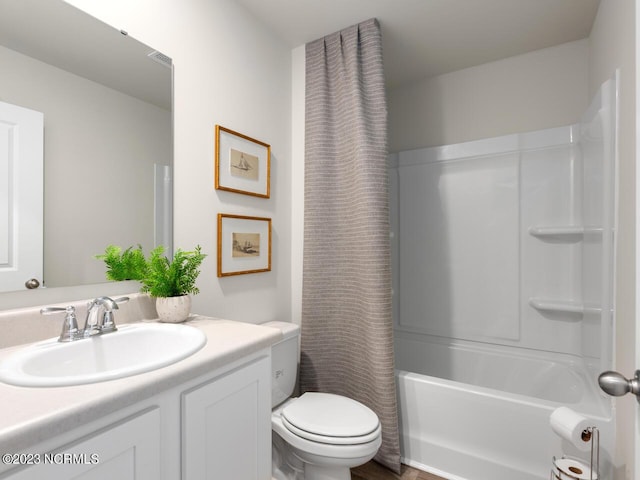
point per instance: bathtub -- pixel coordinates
(472, 411)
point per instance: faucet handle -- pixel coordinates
(70, 331)
(108, 322)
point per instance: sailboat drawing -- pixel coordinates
(244, 165)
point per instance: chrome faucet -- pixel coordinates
(94, 323)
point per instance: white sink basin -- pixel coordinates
(134, 348)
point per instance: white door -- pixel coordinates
(635, 421)
(21, 194)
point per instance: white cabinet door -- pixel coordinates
(21, 196)
(127, 451)
(227, 426)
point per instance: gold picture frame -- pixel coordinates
(243, 164)
(244, 244)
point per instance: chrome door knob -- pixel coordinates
(32, 283)
(615, 384)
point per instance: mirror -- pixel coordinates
(106, 101)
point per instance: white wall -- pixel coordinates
(612, 45)
(542, 89)
(229, 70)
(91, 151)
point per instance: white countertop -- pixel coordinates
(31, 415)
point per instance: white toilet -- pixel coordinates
(317, 436)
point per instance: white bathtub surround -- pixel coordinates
(503, 309)
(505, 247)
(347, 345)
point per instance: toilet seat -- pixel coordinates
(331, 419)
(307, 449)
(331, 440)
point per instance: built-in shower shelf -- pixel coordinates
(563, 231)
(567, 306)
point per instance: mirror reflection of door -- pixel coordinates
(21, 185)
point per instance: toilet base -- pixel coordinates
(287, 464)
(314, 472)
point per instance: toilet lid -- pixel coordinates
(329, 415)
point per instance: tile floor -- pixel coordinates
(373, 471)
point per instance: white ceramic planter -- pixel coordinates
(173, 309)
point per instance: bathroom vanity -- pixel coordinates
(206, 416)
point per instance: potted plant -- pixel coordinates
(172, 282)
(129, 264)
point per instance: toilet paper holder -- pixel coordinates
(567, 468)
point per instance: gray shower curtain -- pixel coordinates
(347, 336)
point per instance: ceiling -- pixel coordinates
(425, 38)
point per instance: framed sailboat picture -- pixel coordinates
(242, 163)
(244, 244)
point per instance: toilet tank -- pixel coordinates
(284, 361)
